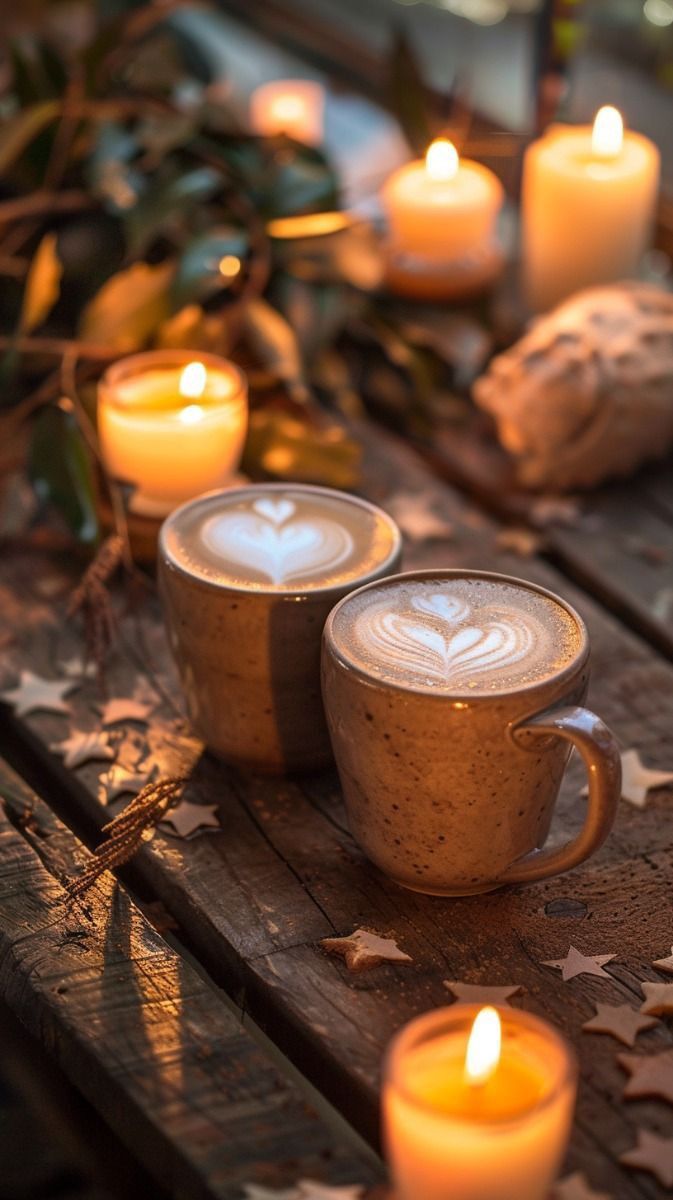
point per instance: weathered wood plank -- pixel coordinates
(621, 547)
(256, 899)
(140, 1033)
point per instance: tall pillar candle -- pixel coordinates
(171, 426)
(588, 206)
(477, 1105)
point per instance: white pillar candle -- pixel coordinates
(293, 107)
(441, 215)
(171, 425)
(477, 1109)
(588, 205)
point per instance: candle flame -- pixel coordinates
(608, 132)
(441, 160)
(191, 415)
(192, 381)
(483, 1047)
(288, 108)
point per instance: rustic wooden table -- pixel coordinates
(139, 1023)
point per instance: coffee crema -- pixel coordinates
(280, 538)
(465, 635)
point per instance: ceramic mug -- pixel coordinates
(450, 786)
(247, 577)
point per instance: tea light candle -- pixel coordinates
(441, 214)
(293, 107)
(588, 205)
(477, 1105)
(171, 426)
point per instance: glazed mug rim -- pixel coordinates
(566, 673)
(363, 579)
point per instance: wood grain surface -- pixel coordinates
(142, 1035)
(255, 899)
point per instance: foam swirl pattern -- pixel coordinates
(462, 635)
(279, 538)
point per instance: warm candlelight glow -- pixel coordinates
(441, 160)
(191, 415)
(607, 137)
(229, 266)
(192, 383)
(483, 1048)
(170, 427)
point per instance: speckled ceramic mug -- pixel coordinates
(247, 577)
(453, 699)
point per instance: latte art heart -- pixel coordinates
(460, 636)
(446, 656)
(278, 548)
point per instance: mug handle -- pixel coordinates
(600, 752)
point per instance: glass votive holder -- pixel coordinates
(171, 424)
(451, 1135)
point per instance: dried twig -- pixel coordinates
(128, 831)
(92, 599)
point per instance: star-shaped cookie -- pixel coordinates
(665, 964)
(620, 1021)
(638, 780)
(364, 949)
(119, 780)
(576, 1187)
(658, 998)
(35, 694)
(654, 1154)
(474, 993)
(84, 746)
(124, 708)
(187, 819)
(304, 1189)
(414, 514)
(651, 1074)
(576, 963)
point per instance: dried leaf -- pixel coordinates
(287, 448)
(193, 329)
(19, 131)
(129, 307)
(43, 285)
(273, 341)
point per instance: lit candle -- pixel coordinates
(442, 214)
(293, 107)
(588, 205)
(477, 1105)
(171, 427)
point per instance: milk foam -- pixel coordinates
(279, 538)
(464, 635)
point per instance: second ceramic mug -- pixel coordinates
(247, 577)
(453, 699)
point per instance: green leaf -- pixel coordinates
(62, 472)
(129, 307)
(164, 201)
(316, 312)
(274, 343)
(17, 132)
(302, 182)
(109, 171)
(408, 95)
(43, 285)
(198, 272)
